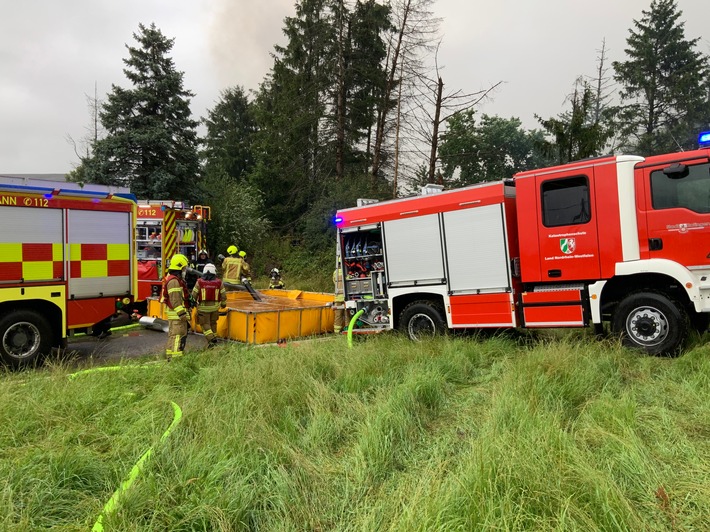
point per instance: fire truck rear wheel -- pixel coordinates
(25, 336)
(422, 319)
(652, 322)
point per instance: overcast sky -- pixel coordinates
(53, 53)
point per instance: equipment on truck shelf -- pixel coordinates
(617, 240)
(164, 228)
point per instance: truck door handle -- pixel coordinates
(655, 244)
(554, 273)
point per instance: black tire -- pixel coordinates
(25, 337)
(422, 319)
(652, 322)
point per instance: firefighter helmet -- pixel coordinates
(232, 250)
(178, 262)
(275, 272)
(202, 252)
(242, 254)
(210, 268)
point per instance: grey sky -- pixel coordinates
(52, 53)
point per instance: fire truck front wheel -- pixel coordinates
(24, 337)
(652, 322)
(422, 319)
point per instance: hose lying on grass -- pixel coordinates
(115, 499)
(113, 502)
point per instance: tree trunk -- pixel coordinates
(435, 133)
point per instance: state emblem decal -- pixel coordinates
(568, 245)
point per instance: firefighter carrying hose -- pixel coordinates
(176, 297)
(210, 295)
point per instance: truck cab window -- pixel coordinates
(565, 202)
(691, 192)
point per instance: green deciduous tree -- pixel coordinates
(664, 83)
(151, 140)
(495, 149)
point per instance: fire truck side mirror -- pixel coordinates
(676, 171)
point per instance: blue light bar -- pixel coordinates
(338, 220)
(704, 139)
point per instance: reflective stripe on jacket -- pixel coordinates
(176, 296)
(209, 294)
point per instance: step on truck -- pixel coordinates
(67, 263)
(617, 243)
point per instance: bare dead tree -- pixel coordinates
(83, 147)
(416, 30)
(445, 105)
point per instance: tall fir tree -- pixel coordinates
(151, 142)
(317, 104)
(578, 133)
(663, 83)
(230, 134)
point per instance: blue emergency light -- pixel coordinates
(337, 220)
(704, 139)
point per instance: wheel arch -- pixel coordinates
(400, 302)
(620, 286)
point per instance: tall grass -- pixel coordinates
(451, 434)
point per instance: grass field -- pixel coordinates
(506, 433)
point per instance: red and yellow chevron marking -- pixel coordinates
(201, 244)
(169, 235)
(99, 260)
(31, 262)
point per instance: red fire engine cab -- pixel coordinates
(166, 227)
(621, 240)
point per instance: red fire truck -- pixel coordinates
(621, 240)
(66, 262)
(166, 227)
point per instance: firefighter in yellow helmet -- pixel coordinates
(231, 267)
(176, 297)
(246, 269)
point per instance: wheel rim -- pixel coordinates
(647, 326)
(21, 340)
(421, 326)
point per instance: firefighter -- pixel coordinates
(339, 301)
(191, 273)
(210, 296)
(176, 297)
(276, 282)
(245, 270)
(231, 267)
(202, 260)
